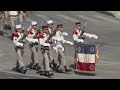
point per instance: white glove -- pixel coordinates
(80, 40)
(64, 33)
(28, 28)
(46, 44)
(68, 42)
(63, 41)
(95, 36)
(71, 43)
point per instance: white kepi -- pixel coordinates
(18, 26)
(34, 23)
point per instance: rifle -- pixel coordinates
(83, 31)
(36, 34)
(24, 36)
(51, 35)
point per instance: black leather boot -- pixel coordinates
(66, 69)
(36, 66)
(1, 33)
(59, 70)
(53, 64)
(48, 73)
(22, 70)
(30, 66)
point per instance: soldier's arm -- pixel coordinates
(65, 33)
(91, 35)
(75, 37)
(29, 28)
(30, 36)
(15, 38)
(42, 41)
(57, 37)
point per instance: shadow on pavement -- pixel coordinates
(72, 66)
(107, 13)
(86, 74)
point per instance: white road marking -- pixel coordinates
(87, 18)
(68, 18)
(20, 74)
(105, 18)
(42, 16)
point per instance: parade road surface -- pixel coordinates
(106, 27)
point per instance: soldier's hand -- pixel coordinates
(80, 40)
(95, 36)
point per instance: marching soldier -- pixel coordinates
(59, 48)
(19, 48)
(51, 29)
(13, 15)
(45, 47)
(78, 36)
(33, 43)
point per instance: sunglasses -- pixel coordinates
(78, 25)
(34, 25)
(60, 27)
(46, 29)
(51, 24)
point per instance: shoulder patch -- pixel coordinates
(16, 35)
(75, 32)
(41, 36)
(30, 32)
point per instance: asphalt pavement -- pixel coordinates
(105, 26)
